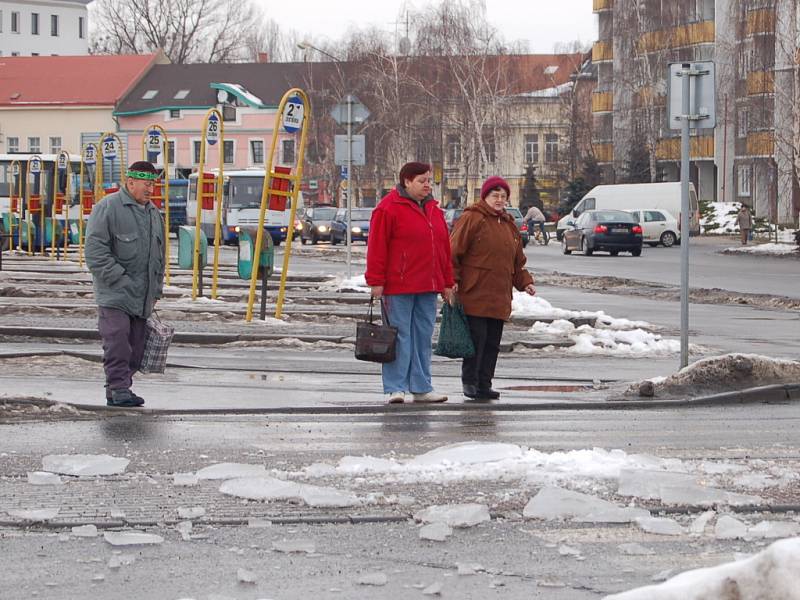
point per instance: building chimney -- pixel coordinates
(263, 57)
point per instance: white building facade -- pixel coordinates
(44, 28)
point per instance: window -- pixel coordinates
(54, 25)
(551, 147)
(490, 148)
(34, 144)
(196, 151)
(181, 94)
(532, 149)
(55, 145)
(15, 22)
(256, 151)
(453, 149)
(171, 152)
(743, 177)
(287, 152)
(149, 94)
(13, 144)
(34, 23)
(228, 113)
(742, 121)
(174, 113)
(228, 152)
(81, 32)
(652, 216)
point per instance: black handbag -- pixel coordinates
(376, 342)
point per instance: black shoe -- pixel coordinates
(470, 391)
(489, 394)
(125, 398)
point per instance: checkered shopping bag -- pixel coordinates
(158, 336)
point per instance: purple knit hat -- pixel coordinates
(492, 183)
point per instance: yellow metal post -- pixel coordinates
(65, 207)
(266, 191)
(28, 188)
(88, 157)
(163, 141)
(15, 171)
(213, 129)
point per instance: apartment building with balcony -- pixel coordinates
(752, 154)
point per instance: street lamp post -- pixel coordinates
(306, 45)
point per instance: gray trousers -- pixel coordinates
(123, 345)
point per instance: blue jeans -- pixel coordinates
(414, 316)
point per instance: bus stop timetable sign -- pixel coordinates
(293, 114)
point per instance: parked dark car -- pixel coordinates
(317, 224)
(612, 231)
(360, 225)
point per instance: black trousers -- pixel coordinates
(486, 335)
(123, 345)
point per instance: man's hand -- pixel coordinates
(377, 291)
(530, 290)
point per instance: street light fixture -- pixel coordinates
(306, 45)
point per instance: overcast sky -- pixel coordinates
(541, 23)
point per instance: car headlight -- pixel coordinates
(322, 228)
(356, 229)
(237, 229)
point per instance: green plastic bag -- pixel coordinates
(454, 340)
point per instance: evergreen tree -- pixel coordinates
(590, 176)
(530, 191)
(637, 169)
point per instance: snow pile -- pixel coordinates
(721, 218)
(525, 306)
(268, 488)
(772, 573)
(725, 373)
(769, 248)
(608, 342)
(84, 464)
(353, 284)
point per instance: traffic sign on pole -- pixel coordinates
(292, 118)
(212, 129)
(90, 154)
(350, 111)
(110, 148)
(154, 142)
(36, 165)
(702, 97)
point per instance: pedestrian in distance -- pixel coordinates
(408, 265)
(488, 262)
(125, 254)
(744, 219)
(535, 219)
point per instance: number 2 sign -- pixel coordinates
(293, 114)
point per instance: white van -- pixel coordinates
(630, 196)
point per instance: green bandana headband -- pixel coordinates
(141, 175)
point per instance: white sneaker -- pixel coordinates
(396, 398)
(430, 397)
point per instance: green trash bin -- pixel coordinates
(48, 232)
(247, 244)
(75, 232)
(186, 247)
(34, 234)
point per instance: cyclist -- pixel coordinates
(535, 218)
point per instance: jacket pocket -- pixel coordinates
(126, 245)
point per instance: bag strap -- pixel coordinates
(384, 314)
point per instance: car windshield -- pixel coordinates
(359, 214)
(246, 192)
(178, 192)
(324, 214)
(617, 216)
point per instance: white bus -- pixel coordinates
(241, 200)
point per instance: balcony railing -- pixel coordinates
(602, 51)
(600, 5)
(699, 147)
(604, 153)
(602, 102)
(761, 21)
(761, 143)
(760, 82)
(690, 34)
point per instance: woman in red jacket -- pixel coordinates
(408, 264)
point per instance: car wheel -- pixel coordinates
(613, 252)
(652, 244)
(637, 252)
(314, 238)
(302, 240)
(668, 239)
(334, 241)
(559, 235)
(564, 249)
(585, 247)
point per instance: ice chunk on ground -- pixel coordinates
(373, 579)
(44, 478)
(294, 546)
(320, 470)
(245, 576)
(184, 479)
(565, 550)
(193, 512)
(434, 589)
(436, 532)
(469, 453)
(455, 515)
(352, 465)
(676, 488)
(634, 549)
(728, 528)
(231, 471)
(774, 529)
(659, 525)
(556, 503)
(185, 529)
(131, 538)
(772, 571)
(85, 531)
(34, 514)
(269, 488)
(469, 568)
(121, 560)
(699, 524)
(84, 464)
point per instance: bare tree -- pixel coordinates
(187, 30)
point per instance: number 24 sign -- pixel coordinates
(110, 148)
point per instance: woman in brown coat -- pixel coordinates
(487, 262)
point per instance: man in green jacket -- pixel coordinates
(125, 253)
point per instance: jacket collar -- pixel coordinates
(403, 193)
(484, 209)
(128, 199)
